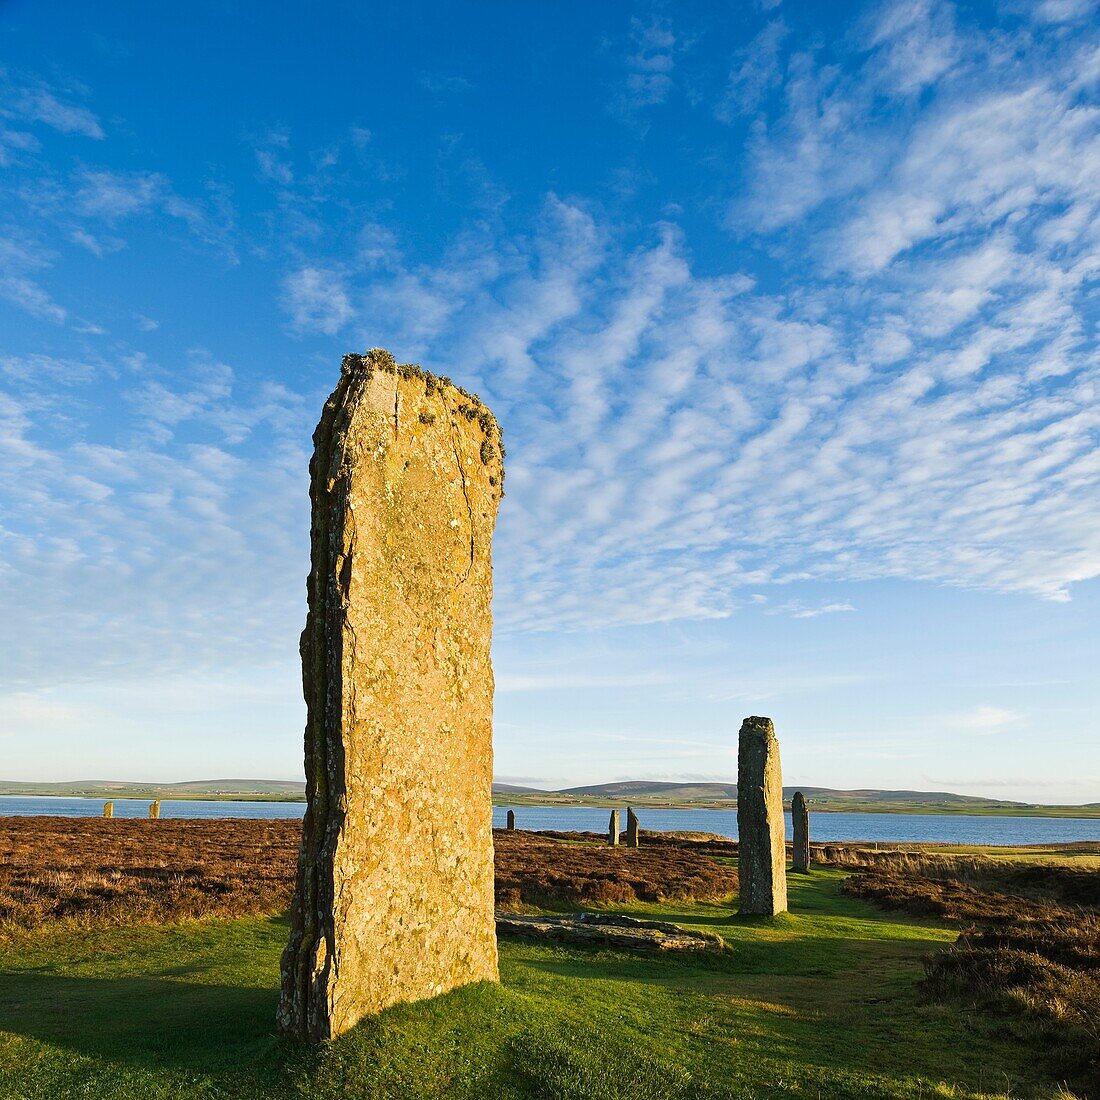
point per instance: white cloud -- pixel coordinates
(798, 610)
(983, 719)
(113, 196)
(1060, 11)
(915, 44)
(316, 299)
(920, 402)
(20, 259)
(178, 544)
(15, 143)
(675, 439)
(28, 295)
(270, 160)
(814, 147)
(440, 83)
(41, 105)
(757, 70)
(649, 64)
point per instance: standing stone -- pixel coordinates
(613, 829)
(633, 838)
(154, 809)
(512, 819)
(108, 809)
(762, 854)
(394, 893)
(800, 816)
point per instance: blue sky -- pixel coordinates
(788, 310)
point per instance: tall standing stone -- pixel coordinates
(394, 894)
(511, 819)
(762, 855)
(633, 837)
(800, 818)
(154, 809)
(613, 829)
(108, 809)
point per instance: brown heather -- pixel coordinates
(135, 871)
(553, 870)
(138, 871)
(1029, 949)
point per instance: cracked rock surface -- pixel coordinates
(394, 892)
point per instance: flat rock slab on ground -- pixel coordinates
(606, 930)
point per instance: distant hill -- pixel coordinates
(729, 790)
(275, 790)
(640, 792)
(832, 795)
(645, 787)
(280, 789)
(663, 794)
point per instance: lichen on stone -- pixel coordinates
(394, 893)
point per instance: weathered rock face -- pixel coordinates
(762, 859)
(613, 829)
(108, 809)
(511, 819)
(154, 810)
(394, 896)
(800, 816)
(633, 836)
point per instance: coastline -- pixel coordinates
(506, 799)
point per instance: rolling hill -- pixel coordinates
(652, 793)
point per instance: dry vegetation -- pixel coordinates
(93, 871)
(1029, 947)
(550, 870)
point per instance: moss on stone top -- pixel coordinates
(378, 359)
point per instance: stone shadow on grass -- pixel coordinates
(146, 1022)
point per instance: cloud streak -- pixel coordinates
(910, 393)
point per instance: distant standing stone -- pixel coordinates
(762, 856)
(108, 809)
(800, 815)
(613, 829)
(154, 809)
(633, 838)
(511, 819)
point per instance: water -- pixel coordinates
(948, 828)
(20, 806)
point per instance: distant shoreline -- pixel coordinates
(554, 799)
(820, 807)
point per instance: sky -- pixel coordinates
(788, 311)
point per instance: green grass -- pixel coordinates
(819, 1003)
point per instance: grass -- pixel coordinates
(819, 1003)
(1029, 951)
